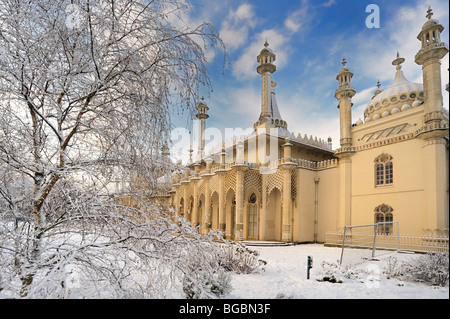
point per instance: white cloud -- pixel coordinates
(360, 102)
(371, 57)
(375, 54)
(297, 19)
(329, 3)
(235, 27)
(363, 96)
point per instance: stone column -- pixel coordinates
(222, 222)
(240, 171)
(435, 181)
(206, 223)
(345, 191)
(263, 210)
(239, 222)
(185, 184)
(195, 179)
(287, 195)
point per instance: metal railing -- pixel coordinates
(408, 242)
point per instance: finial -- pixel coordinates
(398, 61)
(190, 154)
(378, 84)
(429, 13)
(344, 61)
(266, 44)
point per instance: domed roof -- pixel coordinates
(266, 49)
(400, 92)
(430, 23)
(398, 86)
(344, 66)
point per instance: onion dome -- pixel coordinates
(400, 92)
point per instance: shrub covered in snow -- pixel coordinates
(240, 259)
(331, 272)
(202, 284)
(431, 268)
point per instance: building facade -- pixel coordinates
(393, 166)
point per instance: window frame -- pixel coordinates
(384, 170)
(252, 217)
(384, 213)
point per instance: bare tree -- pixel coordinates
(86, 91)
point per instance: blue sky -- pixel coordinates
(309, 38)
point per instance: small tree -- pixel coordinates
(86, 90)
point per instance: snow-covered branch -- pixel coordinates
(86, 92)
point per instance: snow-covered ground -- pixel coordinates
(285, 276)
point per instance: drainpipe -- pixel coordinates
(316, 208)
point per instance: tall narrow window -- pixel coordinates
(384, 170)
(200, 214)
(233, 217)
(252, 230)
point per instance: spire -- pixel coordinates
(344, 94)
(398, 62)
(431, 32)
(202, 110)
(202, 115)
(266, 59)
(431, 51)
(345, 75)
(378, 90)
(270, 115)
(429, 13)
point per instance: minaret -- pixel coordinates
(202, 115)
(432, 50)
(344, 94)
(266, 68)
(270, 117)
(434, 130)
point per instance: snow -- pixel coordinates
(285, 276)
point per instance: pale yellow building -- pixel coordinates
(393, 166)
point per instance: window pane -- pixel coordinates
(379, 218)
(389, 173)
(379, 174)
(252, 221)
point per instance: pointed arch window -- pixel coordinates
(200, 214)
(384, 214)
(252, 217)
(384, 170)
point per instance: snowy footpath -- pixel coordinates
(285, 276)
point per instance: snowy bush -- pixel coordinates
(240, 259)
(208, 275)
(393, 268)
(201, 284)
(431, 268)
(331, 272)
